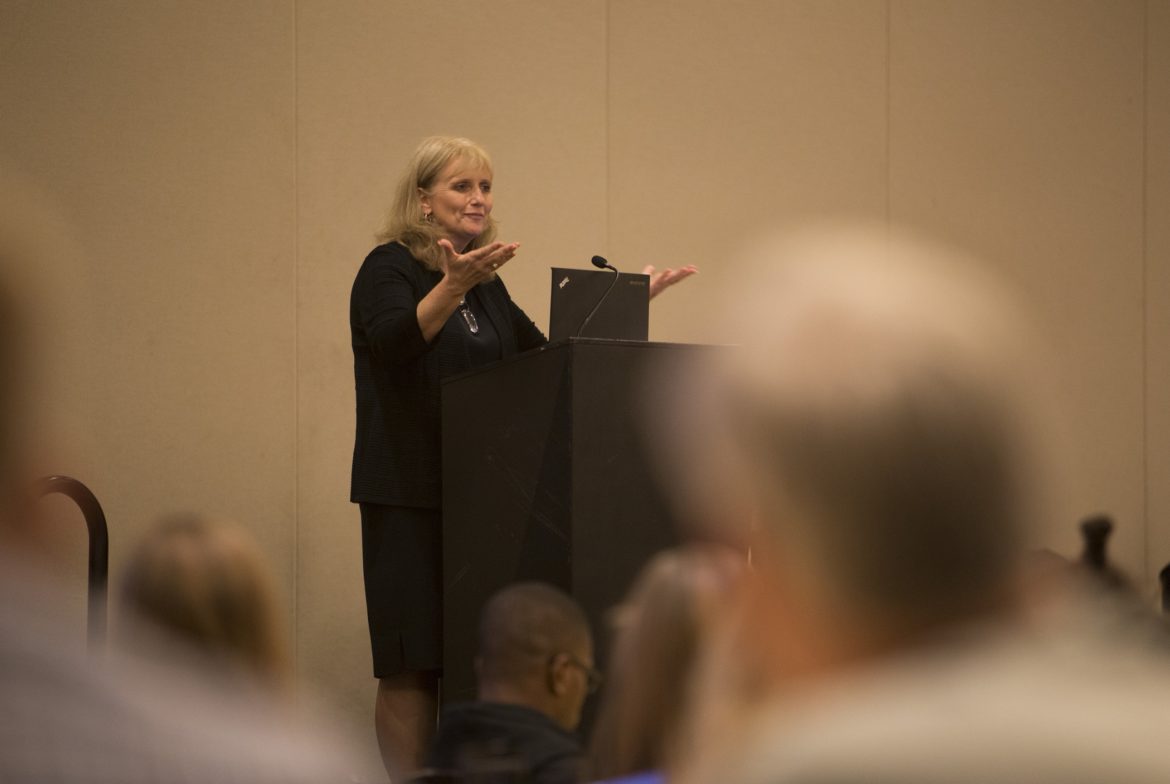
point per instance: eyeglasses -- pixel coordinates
(593, 676)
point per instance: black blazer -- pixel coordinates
(396, 454)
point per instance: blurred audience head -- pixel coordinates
(15, 359)
(658, 634)
(44, 376)
(208, 587)
(872, 439)
(536, 649)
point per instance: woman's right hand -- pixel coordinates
(464, 271)
(461, 273)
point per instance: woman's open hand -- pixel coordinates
(464, 271)
(660, 281)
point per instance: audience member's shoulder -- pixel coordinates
(1013, 707)
(240, 736)
(70, 716)
(518, 720)
(642, 777)
(488, 730)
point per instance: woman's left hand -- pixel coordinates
(660, 281)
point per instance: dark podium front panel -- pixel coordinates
(545, 478)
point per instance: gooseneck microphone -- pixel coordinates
(600, 263)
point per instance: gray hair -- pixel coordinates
(876, 421)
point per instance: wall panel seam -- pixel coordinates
(888, 145)
(1144, 222)
(608, 122)
(296, 161)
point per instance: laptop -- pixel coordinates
(623, 315)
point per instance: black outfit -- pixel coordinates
(396, 458)
(492, 741)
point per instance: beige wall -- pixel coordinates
(1156, 287)
(164, 136)
(218, 171)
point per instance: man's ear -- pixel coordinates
(557, 674)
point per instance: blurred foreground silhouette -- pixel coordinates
(880, 442)
(68, 716)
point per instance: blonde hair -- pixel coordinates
(209, 586)
(658, 637)
(406, 223)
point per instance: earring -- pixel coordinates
(427, 218)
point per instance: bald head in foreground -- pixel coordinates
(878, 440)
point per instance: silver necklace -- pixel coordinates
(468, 316)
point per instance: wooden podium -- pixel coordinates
(545, 477)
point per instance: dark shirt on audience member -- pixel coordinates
(489, 741)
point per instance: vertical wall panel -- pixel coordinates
(727, 119)
(526, 79)
(162, 135)
(1016, 131)
(1157, 283)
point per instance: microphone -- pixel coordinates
(600, 263)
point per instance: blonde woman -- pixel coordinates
(658, 640)
(426, 304)
(209, 588)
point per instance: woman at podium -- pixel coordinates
(426, 304)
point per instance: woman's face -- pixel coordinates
(459, 202)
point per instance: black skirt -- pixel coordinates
(402, 558)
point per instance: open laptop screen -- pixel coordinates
(624, 315)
